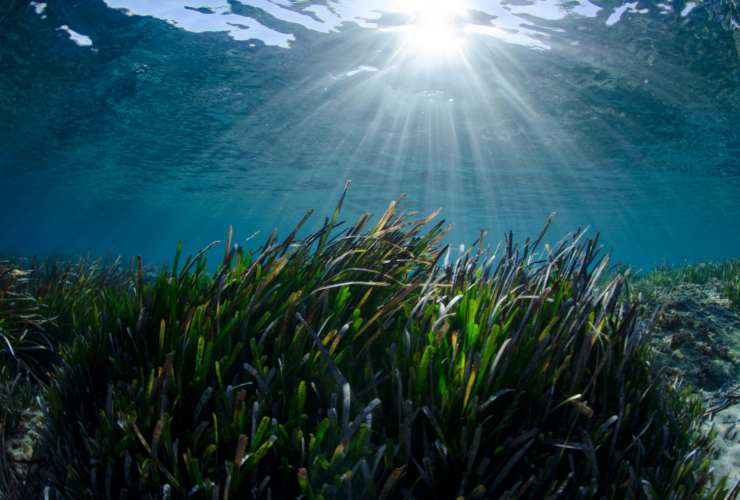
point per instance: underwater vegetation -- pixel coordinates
(23, 342)
(24, 352)
(725, 274)
(360, 361)
(697, 324)
(695, 332)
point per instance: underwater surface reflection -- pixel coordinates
(126, 125)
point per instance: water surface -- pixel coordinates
(127, 125)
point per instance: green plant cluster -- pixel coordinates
(731, 289)
(726, 274)
(25, 352)
(43, 304)
(24, 344)
(364, 364)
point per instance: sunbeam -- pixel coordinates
(434, 29)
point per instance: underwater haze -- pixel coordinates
(127, 125)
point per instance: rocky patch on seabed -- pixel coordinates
(21, 449)
(696, 333)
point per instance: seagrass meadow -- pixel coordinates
(367, 350)
(364, 360)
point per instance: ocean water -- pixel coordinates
(127, 125)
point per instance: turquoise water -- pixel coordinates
(127, 125)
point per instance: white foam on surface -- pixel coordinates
(361, 69)
(212, 16)
(511, 23)
(688, 8)
(38, 7)
(78, 38)
(618, 12)
(354, 72)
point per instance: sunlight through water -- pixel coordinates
(434, 28)
(612, 113)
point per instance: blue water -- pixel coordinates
(127, 125)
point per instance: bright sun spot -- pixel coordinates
(434, 27)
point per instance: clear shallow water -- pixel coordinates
(127, 125)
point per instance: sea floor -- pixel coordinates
(726, 423)
(697, 337)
